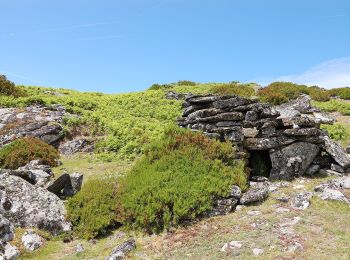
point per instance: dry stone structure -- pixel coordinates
(281, 142)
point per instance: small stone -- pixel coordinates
(79, 248)
(254, 213)
(231, 246)
(31, 240)
(295, 247)
(258, 251)
(302, 200)
(282, 210)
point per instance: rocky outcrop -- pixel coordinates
(34, 121)
(76, 145)
(26, 205)
(287, 138)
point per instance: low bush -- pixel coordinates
(23, 150)
(343, 93)
(186, 83)
(341, 106)
(233, 88)
(337, 132)
(157, 86)
(8, 88)
(280, 92)
(176, 181)
(92, 209)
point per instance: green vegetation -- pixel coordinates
(343, 93)
(23, 150)
(92, 210)
(176, 181)
(8, 88)
(337, 131)
(234, 88)
(280, 92)
(333, 105)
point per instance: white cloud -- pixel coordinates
(328, 74)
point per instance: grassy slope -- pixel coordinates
(126, 123)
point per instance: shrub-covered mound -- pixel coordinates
(176, 180)
(92, 209)
(8, 88)
(233, 88)
(23, 150)
(280, 92)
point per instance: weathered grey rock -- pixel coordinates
(332, 194)
(66, 185)
(250, 132)
(232, 102)
(7, 251)
(75, 146)
(254, 195)
(337, 152)
(79, 248)
(302, 132)
(337, 168)
(295, 107)
(76, 181)
(312, 170)
(204, 113)
(223, 206)
(175, 95)
(229, 116)
(121, 251)
(301, 201)
(26, 205)
(302, 121)
(251, 116)
(235, 135)
(31, 240)
(266, 143)
(201, 99)
(236, 192)
(293, 160)
(233, 245)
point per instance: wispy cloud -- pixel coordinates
(18, 76)
(106, 37)
(328, 74)
(334, 16)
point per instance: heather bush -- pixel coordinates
(176, 181)
(8, 88)
(92, 209)
(233, 88)
(23, 150)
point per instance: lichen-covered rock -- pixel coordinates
(301, 201)
(121, 251)
(7, 251)
(293, 160)
(75, 146)
(26, 205)
(258, 192)
(31, 240)
(337, 152)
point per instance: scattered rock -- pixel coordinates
(75, 146)
(31, 240)
(7, 251)
(233, 245)
(254, 213)
(331, 194)
(121, 251)
(258, 251)
(254, 195)
(301, 201)
(282, 210)
(337, 152)
(79, 248)
(295, 247)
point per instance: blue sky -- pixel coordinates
(126, 45)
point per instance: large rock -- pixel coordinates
(26, 205)
(296, 107)
(337, 152)
(301, 201)
(293, 160)
(258, 192)
(266, 143)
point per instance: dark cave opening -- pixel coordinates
(260, 163)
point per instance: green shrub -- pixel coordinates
(160, 86)
(92, 209)
(233, 88)
(23, 150)
(186, 83)
(337, 131)
(343, 93)
(8, 88)
(176, 181)
(341, 106)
